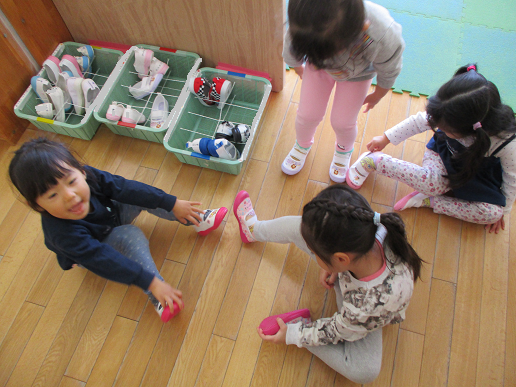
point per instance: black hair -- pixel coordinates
(320, 29)
(467, 98)
(37, 166)
(339, 219)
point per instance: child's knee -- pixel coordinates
(366, 373)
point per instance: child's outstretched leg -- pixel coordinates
(315, 93)
(427, 179)
(473, 212)
(130, 241)
(281, 230)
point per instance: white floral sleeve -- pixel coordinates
(409, 127)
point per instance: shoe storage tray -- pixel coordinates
(245, 105)
(80, 126)
(181, 65)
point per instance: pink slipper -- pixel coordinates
(400, 205)
(270, 326)
(242, 208)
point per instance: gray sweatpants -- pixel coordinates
(359, 361)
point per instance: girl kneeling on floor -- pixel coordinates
(86, 216)
(469, 166)
(363, 255)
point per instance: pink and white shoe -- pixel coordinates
(115, 111)
(132, 116)
(270, 326)
(211, 219)
(413, 200)
(142, 61)
(157, 67)
(165, 313)
(219, 91)
(69, 63)
(244, 212)
(51, 65)
(201, 87)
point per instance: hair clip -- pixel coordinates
(477, 125)
(376, 218)
(472, 67)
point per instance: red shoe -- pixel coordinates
(165, 313)
(219, 91)
(270, 326)
(211, 219)
(201, 88)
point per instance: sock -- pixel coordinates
(341, 159)
(300, 149)
(418, 200)
(371, 160)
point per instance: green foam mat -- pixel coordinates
(443, 35)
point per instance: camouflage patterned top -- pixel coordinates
(368, 304)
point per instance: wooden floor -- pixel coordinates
(75, 329)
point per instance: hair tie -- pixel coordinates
(472, 67)
(376, 218)
(477, 125)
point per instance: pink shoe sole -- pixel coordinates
(221, 213)
(70, 60)
(111, 117)
(167, 315)
(270, 326)
(403, 201)
(148, 59)
(241, 196)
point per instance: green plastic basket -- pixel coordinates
(245, 105)
(181, 65)
(80, 126)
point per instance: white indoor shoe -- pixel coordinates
(142, 61)
(74, 85)
(146, 86)
(132, 116)
(90, 90)
(159, 111)
(115, 111)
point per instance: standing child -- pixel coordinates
(469, 166)
(86, 216)
(363, 255)
(344, 43)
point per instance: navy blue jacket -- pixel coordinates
(80, 241)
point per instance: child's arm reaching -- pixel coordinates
(165, 293)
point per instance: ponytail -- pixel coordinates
(340, 220)
(397, 242)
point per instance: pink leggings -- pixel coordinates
(315, 93)
(428, 179)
